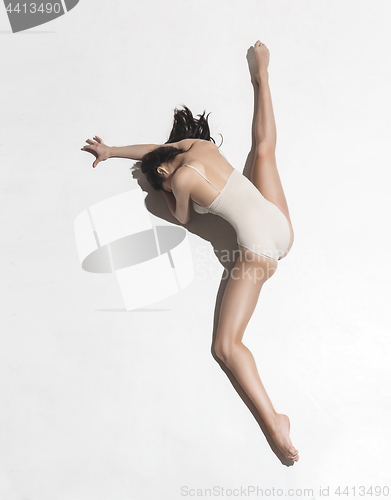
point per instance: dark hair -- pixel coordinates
(185, 126)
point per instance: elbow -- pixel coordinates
(184, 222)
(181, 219)
(187, 218)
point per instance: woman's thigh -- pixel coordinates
(241, 295)
(265, 177)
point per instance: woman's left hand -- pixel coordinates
(98, 148)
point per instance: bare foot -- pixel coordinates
(280, 435)
(262, 56)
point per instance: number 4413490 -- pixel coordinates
(32, 8)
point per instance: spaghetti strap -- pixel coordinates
(202, 176)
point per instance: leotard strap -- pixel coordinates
(202, 176)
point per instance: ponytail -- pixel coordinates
(185, 126)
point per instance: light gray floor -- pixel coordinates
(98, 403)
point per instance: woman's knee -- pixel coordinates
(224, 350)
(265, 150)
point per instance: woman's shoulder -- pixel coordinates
(189, 172)
(190, 143)
(185, 177)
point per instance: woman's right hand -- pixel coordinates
(98, 148)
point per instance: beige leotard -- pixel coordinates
(259, 224)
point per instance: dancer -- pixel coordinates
(255, 207)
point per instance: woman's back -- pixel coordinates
(259, 224)
(205, 157)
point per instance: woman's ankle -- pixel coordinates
(271, 420)
(263, 77)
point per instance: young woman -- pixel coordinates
(256, 208)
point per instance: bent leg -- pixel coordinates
(238, 304)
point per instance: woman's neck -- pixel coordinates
(177, 162)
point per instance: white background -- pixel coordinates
(99, 403)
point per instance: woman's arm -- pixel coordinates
(170, 200)
(135, 152)
(102, 151)
(178, 200)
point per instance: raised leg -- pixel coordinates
(238, 304)
(264, 173)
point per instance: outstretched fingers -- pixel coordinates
(91, 148)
